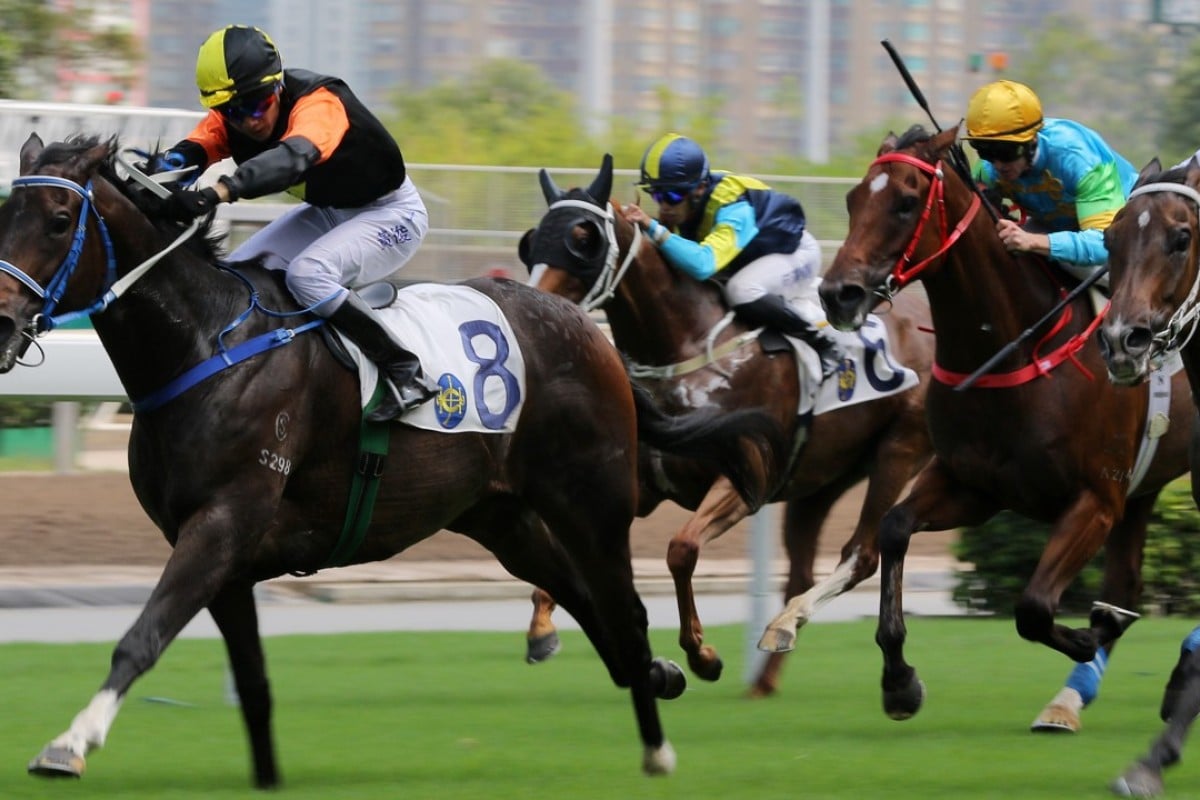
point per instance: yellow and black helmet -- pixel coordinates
(235, 61)
(1004, 111)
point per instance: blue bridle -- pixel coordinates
(53, 292)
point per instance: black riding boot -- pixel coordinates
(772, 311)
(358, 320)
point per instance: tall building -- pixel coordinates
(779, 76)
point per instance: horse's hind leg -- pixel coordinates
(584, 584)
(541, 642)
(236, 616)
(1144, 778)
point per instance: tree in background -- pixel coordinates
(1181, 122)
(36, 40)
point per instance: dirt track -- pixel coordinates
(93, 518)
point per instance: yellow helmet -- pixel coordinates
(236, 60)
(1004, 111)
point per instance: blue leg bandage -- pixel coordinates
(1192, 641)
(1085, 678)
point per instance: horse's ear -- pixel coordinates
(90, 160)
(888, 145)
(943, 141)
(601, 188)
(524, 247)
(1153, 167)
(549, 190)
(30, 151)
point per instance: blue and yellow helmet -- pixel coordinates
(673, 162)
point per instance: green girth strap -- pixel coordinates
(372, 453)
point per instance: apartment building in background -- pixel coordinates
(779, 75)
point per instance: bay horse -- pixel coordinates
(1045, 436)
(1154, 261)
(248, 472)
(669, 325)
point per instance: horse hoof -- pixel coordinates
(57, 762)
(1057, 718)
(541, 648)
(776, 640)
(671, 680)
(659, 760)
(1138, 781)
(706, 664)
(904, 703)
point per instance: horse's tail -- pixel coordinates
(739, 442)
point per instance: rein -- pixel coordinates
(605, 288)
(1188, 313)
(904, 272)
(46, 321)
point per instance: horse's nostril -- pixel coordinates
(1138, 339)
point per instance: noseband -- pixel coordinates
(53, 292)
(1172, 336)
(904, 272)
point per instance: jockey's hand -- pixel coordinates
(165, 162)
(185, 205)
(1019, 240)
(634, 213)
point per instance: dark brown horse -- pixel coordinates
(1154, 260)
(664, 321)
(1044, 434)
(248, 473)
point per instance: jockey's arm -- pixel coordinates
(734, 226)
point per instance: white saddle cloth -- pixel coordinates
(466, 344)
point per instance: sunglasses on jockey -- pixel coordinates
(998, 151)
(252, 107)
(671, 197)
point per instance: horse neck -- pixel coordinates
(659, 315)
(171, 315)
(981, 297)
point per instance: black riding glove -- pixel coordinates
(185, 205)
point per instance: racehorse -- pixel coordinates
(670, 326)
(1045, 436)
(249, 470)
(1155, 278)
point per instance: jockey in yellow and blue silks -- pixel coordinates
(739, 231)
(1069, 182)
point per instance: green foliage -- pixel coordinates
(1005, 550)
(1181, 123)
(35, 38)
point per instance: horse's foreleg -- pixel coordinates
(937, 502)
(720, 510)
(1143, 778)
(542, 640)
(1121, 591)
(192, 576)
(236, 616)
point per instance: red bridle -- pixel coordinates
(903, 272)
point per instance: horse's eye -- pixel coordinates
(1180, 240)
(58, 224)
(907, 204)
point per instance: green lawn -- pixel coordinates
(462, 716)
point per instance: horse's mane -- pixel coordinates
(915, 135)
(206, 244)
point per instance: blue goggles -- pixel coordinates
(248, 108)
(670, 197)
